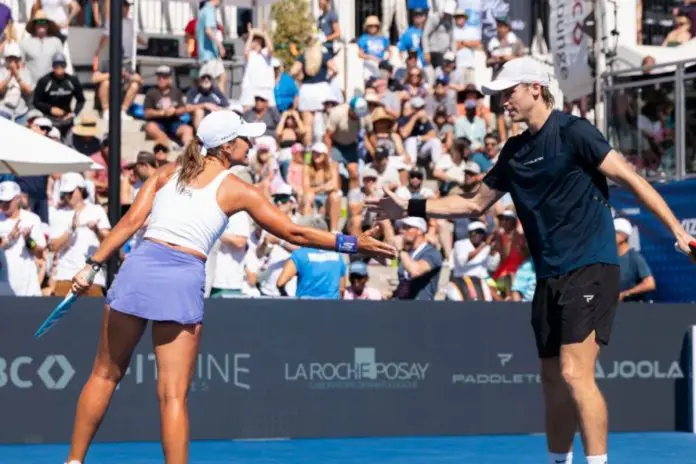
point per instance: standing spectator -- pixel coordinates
(54, 95)
(341, 138)
(259, 77)
(411, 38)
(467, 41)
(7, 32)
(314, 68)
(438, 36)
(419, 262)
(15, 86)
(211, 50)
(420, 137)
(501, 49)
(471, 126)
(524, 283)
(61, 12)
(76, 230)
(21, 241)
(373, 47)
(358, 289)
(636, 277)
(228, 275)
(320, 273)
(322, 185)
(688, 9)
(132, 82)
(286, 91)
(262, 111)
(190, 33)
(329, 27)
(205, 98)
(164, 107)
(39, 45)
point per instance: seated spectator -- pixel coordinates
(420, 138)
(360, 219)
(286, 91)
(415, 84)
(419, 262)
(320, 273)
(442, 96)
(85, 136)
(228, 278)
(322, 185)
(314, 69)
(263, 165)
(161, 153)
(55, 92)
(295, 173)
(164, 108)
(36, 187)
(383, 134)
(471, 126)
(205, 98)
(263, 112)
(76, 228)
(389, 100)
(470, 279)
(389, 168)
(488, 155)
(524, 283)
(358, 289)
(211, 49)
(16, 86)
(415, 188)
(100, 177)
(681, 32)
(511, 247)
(445, 131)
(259, 76)
(373, 46)
(21, 241)
(40, 44)
(637, 279)
(290, 130)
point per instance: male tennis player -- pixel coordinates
(556, 174)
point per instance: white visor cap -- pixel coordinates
(219, 127)
(523, 70)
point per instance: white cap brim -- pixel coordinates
(495, 87)
(8, 197)
(252, 129)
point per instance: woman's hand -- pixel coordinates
(369, 246)
(82, 280)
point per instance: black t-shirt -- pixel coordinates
(559, 193)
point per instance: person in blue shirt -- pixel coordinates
(205, 98)
(636, 277)
(556, 173)
(524, 283)
(320, 274)
(286, 90)
(211, 50)
(411, 38)
(373, 47)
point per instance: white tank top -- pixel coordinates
(191, 218)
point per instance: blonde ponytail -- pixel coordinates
(192, 163)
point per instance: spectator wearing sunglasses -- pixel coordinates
(39, 45)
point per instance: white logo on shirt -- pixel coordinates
(534, 161)
(588, 298)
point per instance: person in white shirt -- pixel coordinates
(76, 230)
(21, 241)
(228, 275)
(388, 168)
(470, 266)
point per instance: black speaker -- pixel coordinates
(230, 50)
(163, 46)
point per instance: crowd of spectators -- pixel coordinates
(421, 128)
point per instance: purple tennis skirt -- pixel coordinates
(159, 283)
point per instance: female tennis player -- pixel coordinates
(163, 280)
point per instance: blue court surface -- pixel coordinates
(630, 448)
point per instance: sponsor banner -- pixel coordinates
(571, 46)
(519, 14)
(674, 274)
(270, 368)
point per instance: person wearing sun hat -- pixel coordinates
(39, 45)
(373, 46)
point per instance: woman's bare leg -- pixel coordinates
(120, 333)
(176, 349)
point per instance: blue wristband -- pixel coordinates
(346, 243)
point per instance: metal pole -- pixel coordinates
(680, 122)
(600, 64)
(115, 63)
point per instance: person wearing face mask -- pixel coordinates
(205, 98)
(471, 126)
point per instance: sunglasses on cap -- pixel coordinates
(416, 175)
(41, 22)
(282, 199)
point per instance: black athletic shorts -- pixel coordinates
(566, 309)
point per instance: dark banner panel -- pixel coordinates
(519, 14)
(270, 368)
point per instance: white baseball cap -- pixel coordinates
(477, 225)
(416, 222)
(9, 190)
(54, 134)
(283, 189)
(276, 63)
(624, 226)
(523, 70)
(43, 122)
(71, 181)
(219, 127)
(12, 49)
(320, 147)
(472, 166)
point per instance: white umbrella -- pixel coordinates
(24, 152)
